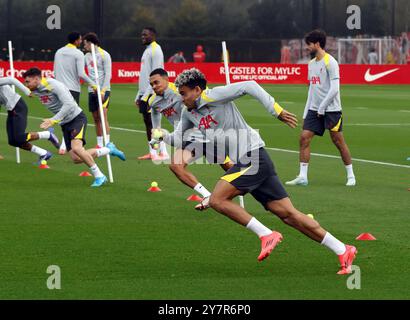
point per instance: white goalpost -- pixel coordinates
(102, 117)
(228, 81)
(11, 62)
(356, 50)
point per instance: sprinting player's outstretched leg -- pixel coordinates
(74, 136)
(265, 187)
(179, 163)
(18, 137)
(110, 149)
(79, 155)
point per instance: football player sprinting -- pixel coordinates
(253, 171)
(17, 120)
(58, 99)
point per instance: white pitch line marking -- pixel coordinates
(273, 149)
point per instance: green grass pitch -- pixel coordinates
(121, 241)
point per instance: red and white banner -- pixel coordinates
(128, 72)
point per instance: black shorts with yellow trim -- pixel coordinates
(75, 130)
(143, 105)
(93, 105)
(255, 174)
(332, 121)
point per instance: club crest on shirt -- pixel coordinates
(315, 80)
(168, 112)
(206, 122)
(45, 99)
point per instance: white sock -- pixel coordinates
(44, 135)
(163, 148)
(100, 141)
(108, 138)
(349, 171)
(96, 171)
(333, 244)
(38, 150)
(101, 152)
(303, 170)
(152, 151)
(257, 227)
(202, 190)
(62, 145)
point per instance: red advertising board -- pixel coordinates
(128, 72)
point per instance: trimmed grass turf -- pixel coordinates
(122, 242)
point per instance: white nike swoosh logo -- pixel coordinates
(373, 77)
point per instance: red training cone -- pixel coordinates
(195, 197)
(154, 189)
(44, 166)
(366, 236)
(85, 174)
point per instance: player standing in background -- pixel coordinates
(323, 108)
(17, 120)
(69, 64)
(152, 58)
(104, 66)
(373, 57)
(215, 114)
(58, 100)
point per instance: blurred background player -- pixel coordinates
(104, 66)
(69, 65)
(17, 120)
(253, 170)
(373, 57)
(323, 108)
(152, 58)
(58, 100)
(166, 101)
(199, 55)
(177, 58)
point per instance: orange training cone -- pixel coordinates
(366, 236)
(85, 174)
(195, 197)
(154, 187)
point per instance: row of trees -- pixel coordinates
(204, 18)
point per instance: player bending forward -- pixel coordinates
(167, 102)
(58, 99)
(253, 170)
(17, 120)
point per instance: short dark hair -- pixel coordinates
(191, 78)
(160, 72)
(151, 29)
(92, 37)
(73, 37)
(316, 36)
(32, 72)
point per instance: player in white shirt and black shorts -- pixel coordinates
(323, 110)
